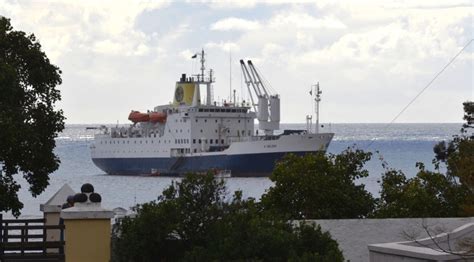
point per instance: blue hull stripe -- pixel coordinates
(240, 165)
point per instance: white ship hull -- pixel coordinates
(255, 157)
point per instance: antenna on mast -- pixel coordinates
(317, 100)
(202, 64)
(230, 75)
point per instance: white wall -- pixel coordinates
(354, 235)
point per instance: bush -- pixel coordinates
(428, 194)
(319, 186)
(192, 221)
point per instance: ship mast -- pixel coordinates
(202, 65)
(317, 99)
(202, 80)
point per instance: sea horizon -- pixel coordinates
(400, 145)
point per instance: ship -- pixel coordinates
(197, 134)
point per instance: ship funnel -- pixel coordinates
(186, 93)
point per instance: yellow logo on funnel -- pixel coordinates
(184, 93)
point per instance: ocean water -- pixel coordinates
(401, 145)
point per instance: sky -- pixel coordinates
(371, 58)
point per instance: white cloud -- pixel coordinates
(366, 54)
(233, 23)
(105, 27)
(187, 54)
(228, 4)
(304, 20)
(224, 46)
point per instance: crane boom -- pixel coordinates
(258, 80)
(248, 81)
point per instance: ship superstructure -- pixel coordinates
(189, 135)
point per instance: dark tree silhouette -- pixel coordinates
(28, 120)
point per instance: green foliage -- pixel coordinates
(28, 121)
(193, 221)
(320, 186)
(434, 194)
(428, 194)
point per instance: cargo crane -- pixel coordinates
(265, 104)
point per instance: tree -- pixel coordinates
(320, 186)
(428, 194)
(28, 120)
(433, 193)
(193, 221)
